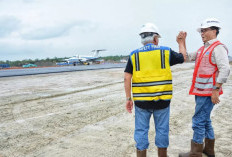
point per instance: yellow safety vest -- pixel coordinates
(152, 77)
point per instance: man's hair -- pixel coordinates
(147, 37)
(215, 28)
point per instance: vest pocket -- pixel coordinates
(205, 76)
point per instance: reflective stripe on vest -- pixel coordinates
(203, 86)
(151, 83)
(204, 80)
(137, 62)
(162, 54)
(152, 94)
(152, 79)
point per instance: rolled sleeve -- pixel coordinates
(129, 67)
(191, 56)
(220, 56)
(176, 58)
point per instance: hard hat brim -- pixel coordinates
(199, 29)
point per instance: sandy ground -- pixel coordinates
(82, 114)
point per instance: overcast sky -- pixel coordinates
(31, 29)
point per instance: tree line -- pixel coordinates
(53, 61)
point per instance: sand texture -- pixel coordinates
(82, 114)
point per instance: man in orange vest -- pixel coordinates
(211, 70)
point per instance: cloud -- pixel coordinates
(46, 33)
(57, 28)
(56, 31)
(8, 24)
(28, 1)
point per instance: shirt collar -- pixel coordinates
(210, 42)
(149, 44)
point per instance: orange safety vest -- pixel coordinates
(205, 72)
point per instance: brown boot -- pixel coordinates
(209, 147)
(196, 150)
(162, 152)
(141, 153)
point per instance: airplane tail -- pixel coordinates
(96, 52)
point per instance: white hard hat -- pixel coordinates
(149, 27)
(209, 23)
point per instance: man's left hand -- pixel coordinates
(215, 97)
(129, 106)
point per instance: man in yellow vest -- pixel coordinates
(148, 76)
(211, 70)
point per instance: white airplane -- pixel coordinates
(78, 59)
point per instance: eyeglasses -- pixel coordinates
(146, 34)
(205, 30)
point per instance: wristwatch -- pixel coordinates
(128, 99)
(215, 87)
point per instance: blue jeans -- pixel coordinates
(142, 121)
(201, 122)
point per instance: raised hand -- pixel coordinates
(181, 37)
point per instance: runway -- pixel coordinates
(36, 71)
